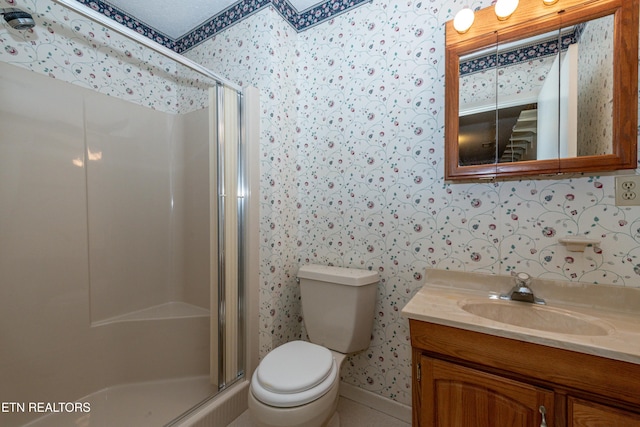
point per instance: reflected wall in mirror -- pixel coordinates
(543, 92)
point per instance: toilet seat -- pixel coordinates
(294, 367)
(293, 374)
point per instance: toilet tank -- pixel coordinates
(338, 306)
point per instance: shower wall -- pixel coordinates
(43, 255)
(130, 197)
(77, 250)
(136, 196)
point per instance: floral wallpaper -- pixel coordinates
(595, 99)
(65, 46)
(364, 101)
(517, 80)
(352, 135)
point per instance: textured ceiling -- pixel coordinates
(178, 18)
(181, 25)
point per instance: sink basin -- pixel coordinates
(537, 317)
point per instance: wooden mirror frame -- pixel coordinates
(531, 18)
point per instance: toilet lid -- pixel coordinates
(294, 367)
(289, 400)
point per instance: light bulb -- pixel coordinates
(463, 20)
(504, 8)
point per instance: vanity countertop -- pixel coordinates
(615, 308)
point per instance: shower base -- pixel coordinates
(145, 404)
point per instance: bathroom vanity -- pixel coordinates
(479, 361)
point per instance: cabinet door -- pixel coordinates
(457, 396)
(588, 414)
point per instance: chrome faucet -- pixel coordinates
(521, 291)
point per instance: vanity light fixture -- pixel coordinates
(505, 8)
(463, 20)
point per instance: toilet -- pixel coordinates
(296, 384)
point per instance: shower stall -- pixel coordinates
(124, 218)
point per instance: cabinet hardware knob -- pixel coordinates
(543, 412)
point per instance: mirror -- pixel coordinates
(552, 89)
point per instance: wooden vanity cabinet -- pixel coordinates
(469, 379)
(584, 413)
(462, 396)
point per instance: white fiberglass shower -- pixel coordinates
(122, 229)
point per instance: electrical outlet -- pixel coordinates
(628, 190)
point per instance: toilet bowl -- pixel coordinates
(296, 385)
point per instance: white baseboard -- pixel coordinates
(380, 403)
(226, 407)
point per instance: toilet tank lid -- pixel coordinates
(341, 275)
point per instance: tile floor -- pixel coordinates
(352, 414)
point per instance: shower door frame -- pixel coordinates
(229, 249)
